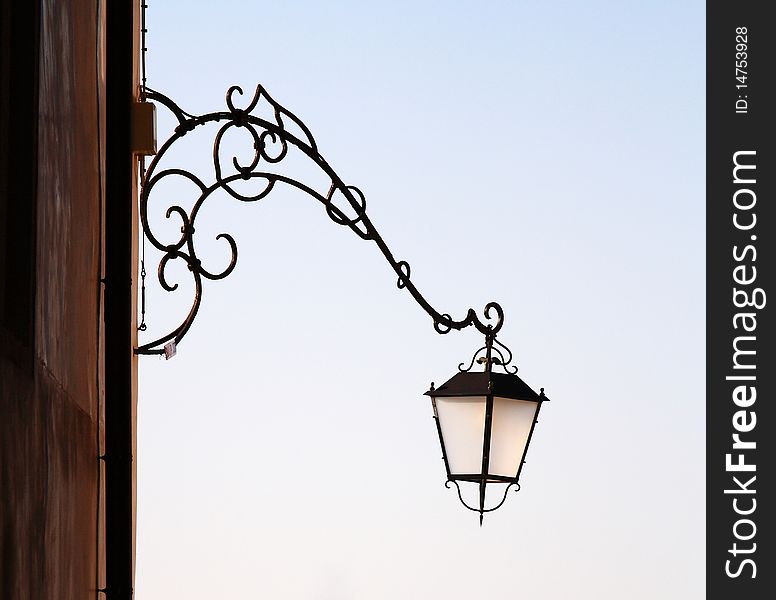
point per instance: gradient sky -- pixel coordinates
(549, 156)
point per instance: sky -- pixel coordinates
(549, 156)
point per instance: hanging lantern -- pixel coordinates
(485, 422)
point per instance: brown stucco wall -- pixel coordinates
(49, 411)
(48, 491)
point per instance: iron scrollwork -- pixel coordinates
(493, 353)
(482, 510)
(271, 138)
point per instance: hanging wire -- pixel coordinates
(143, 31)
(144, 49)
(142, 326)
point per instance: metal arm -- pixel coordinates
(271, 142)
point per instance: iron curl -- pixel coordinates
(270, 140)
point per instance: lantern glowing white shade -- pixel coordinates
(485, 422)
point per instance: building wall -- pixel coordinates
(51, 373)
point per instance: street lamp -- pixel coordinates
(485, 420)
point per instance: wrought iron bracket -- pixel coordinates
(271, 138)
(482, 510)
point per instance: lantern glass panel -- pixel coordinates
(512, 421)
(462, 420)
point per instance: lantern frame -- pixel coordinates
(486, 385)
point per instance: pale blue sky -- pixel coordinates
(549, 156)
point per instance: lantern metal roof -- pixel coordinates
(482, 383)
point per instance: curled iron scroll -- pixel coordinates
(501, 356)
(271, 139)
(483, 509)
